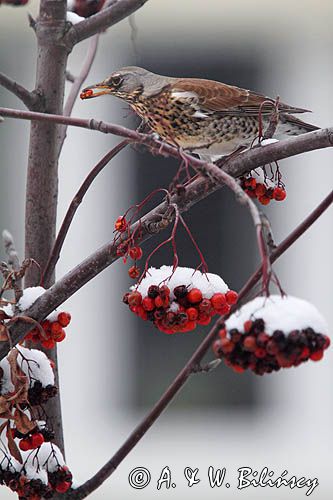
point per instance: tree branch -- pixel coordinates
(105, 472)
(117, 11)
(30, 99)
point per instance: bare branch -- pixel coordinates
(73, 208)
(115, 12)
(191, 366)
(30, 99)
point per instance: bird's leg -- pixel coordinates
(273, 121)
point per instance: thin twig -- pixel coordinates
(75, 203)
(105, 472)
(115, 12)
(30, 99)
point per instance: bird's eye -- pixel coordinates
(116, 80)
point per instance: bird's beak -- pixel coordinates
(96, 90)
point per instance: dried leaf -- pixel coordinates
(23, 422)
(4, 405)
(19, 379)
(12, 446)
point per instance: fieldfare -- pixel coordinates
(209, 118)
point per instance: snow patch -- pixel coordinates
(279, 313)
(29, 297)
(208, 283)
(35, 364)
(74, 18)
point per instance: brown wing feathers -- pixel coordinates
(219, 97)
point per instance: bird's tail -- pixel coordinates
(290, 125)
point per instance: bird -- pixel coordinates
(205, 117)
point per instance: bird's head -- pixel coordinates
(126, 83)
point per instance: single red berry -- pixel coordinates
(260, 190)
(56, 328)
(250, 343)
(264, 200)
(247, 326)
(63, 487)
(37, 440)
(231, 297)
(250, 183)
(140, 311)
(218, 300)
(272, 347)
(134, 298)
(204, 319)
(262, 339)
(46, 325)
(159, 302)
(238, 369)
(250, 193)
(59, 337)
(135, 253)
(148, 304)
(222, 333)
(192, 313)
(134, 272)
(227, 345)
(305, 353)
(205, 306)
(64, 318)
(194, 296)
(164, 291)
(122, 249)
(317, 355)
(279, 194)
(48, 343)
(260, 352)
(25, 444)
(225, 309)
(327, 342)
(120, 224)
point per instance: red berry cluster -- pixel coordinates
(191, 309)
(61, 479)
(262, 353)
(263, 193)
(87, 8)
(53, 330)
(127, 249)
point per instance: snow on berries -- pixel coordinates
(270, 333)
(52, 329)
(179, 301)
(31, 465)
(264, 189)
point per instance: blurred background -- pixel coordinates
(113, 368)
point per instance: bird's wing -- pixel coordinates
(225, 99)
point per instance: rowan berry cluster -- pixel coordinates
(61, 479)
(179, 307)
(51, 331)
(26, 489)
(254, 346)
(262, 192)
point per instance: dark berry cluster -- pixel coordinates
(53, 331)
(15, 3)
(38, 394)
(26, 489)
(263, 193)
(188, 308)
(262, 353)
(61, 479)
